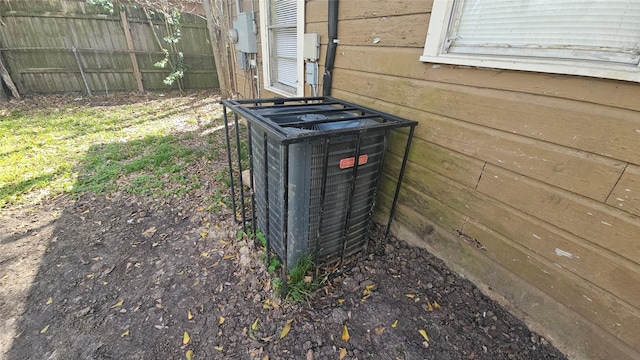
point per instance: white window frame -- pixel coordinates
(435, 44)
(265, 45)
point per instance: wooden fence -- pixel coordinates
(69, 46)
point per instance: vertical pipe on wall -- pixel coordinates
(331, 47)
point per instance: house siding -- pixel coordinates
(526, 183)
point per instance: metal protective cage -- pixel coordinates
(315, 164)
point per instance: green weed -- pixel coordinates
(276, 284)
(274, 264)
(298, 288)
(261, 238)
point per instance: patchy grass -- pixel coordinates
(138, 144)
(151, 164)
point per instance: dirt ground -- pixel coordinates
(124, 276)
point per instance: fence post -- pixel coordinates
(132, 51)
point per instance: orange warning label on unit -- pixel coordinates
(349, 162)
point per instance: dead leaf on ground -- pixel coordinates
(429, 307)
(410, 296)
(49, 301)
(276, 303)
(150, 231)
(44, 329)
(126, 333)
(395, 323)
(286, 329)
(186, 338)
(219, 348)
(221, 320)
(379, 330)
(345, 333)
(424, 334)
(254, 326)
(343, 353)
(118, 304)
(436, 305)
(368, 289)
(189, 355)
(189, 315)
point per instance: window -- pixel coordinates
(598, 38)
(282, 24)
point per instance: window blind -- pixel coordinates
(283, 37)
(592, 30)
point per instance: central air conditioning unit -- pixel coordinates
(316, 163)
(305, 233)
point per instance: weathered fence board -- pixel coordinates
(38, 37)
